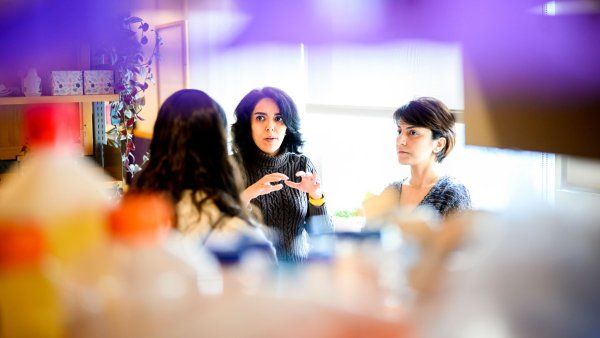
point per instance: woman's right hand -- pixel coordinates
(263, 187)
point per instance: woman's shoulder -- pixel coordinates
(300, 161)
(453, 193)
(192, 221)
(450, 184)
(236, 224)
(296, 157)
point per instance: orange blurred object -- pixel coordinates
(21, 243)
(142, 219)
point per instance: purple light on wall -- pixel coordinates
(37, 32)
(516, 50)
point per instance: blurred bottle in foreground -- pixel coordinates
(248, 264)
(522, 273)
(358, 271)
(132, 287)
(29, 305)
(55, 185)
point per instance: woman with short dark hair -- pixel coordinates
(267, 142)
(190, 164)
(425, 137)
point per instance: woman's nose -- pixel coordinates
(401, 140)
(270, 126)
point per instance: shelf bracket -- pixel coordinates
(99, 119)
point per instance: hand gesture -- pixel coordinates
(263, 187)
(309, 184)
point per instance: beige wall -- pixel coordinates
(155, 13)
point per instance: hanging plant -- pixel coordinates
(133, 74)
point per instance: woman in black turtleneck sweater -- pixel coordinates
(282, 182)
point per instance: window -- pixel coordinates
(347, 95)
(356, 156)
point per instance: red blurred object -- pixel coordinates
(142, 219)
(52, 124)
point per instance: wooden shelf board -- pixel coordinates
(4, 101)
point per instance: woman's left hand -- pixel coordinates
(309, 184)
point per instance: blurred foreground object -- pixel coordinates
(132, 286)
(259, 316)
(521, 274)
(29, 305)
(55, 186)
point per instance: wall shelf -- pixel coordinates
(22, 100)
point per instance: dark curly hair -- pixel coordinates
(433, 114)
(188, 151)
(243, 144)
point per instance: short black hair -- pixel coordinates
(243, 144)
(433, 114)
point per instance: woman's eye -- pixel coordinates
(278, 118)
(413, 133)
(399, 132)
(260, 118)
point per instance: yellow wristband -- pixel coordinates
(316, 202)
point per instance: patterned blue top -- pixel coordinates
(446, 196)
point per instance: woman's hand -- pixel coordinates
(309, 184)
(263, 187)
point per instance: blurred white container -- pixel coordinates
(56, 186)
(132, 287)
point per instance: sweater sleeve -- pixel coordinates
(458, 199)
(317, 219)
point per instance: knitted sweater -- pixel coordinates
(287, 211)
(446, 196)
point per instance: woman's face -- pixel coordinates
(268, 129)
(414, 145)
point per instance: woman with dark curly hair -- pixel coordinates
(267, 142)
(425, 137)
(190, 164)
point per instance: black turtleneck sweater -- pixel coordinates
(287, 210)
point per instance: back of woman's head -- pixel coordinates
(433, 114)
(242, 130)
(188, 151)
